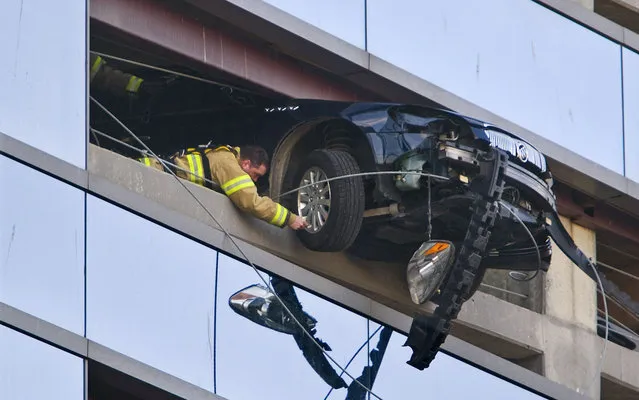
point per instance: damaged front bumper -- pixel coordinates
(536, 190)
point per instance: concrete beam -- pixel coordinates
(572, 356)
(214, 47)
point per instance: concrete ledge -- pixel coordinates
(620, 366)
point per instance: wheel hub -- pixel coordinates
(314, 199)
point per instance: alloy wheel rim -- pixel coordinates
(314, 201)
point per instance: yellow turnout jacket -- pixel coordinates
(222, 166)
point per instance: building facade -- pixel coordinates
(115, 282)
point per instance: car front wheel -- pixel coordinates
(334, 209)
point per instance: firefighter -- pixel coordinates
(114, 81)
(234, 171)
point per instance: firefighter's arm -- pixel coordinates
(240, 188)
(104, 77)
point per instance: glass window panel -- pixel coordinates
(33, 370)
(42, 75)
(522, 62)
(150, 293)
(446, 378)
(631, 116)
(41, 246)
(269, 362)
(341, 18)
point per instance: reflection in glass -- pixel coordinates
(631, 116)
(43, 77)
(348, 27)
(150, 293)
(41, 245)
(288, 365)
(34, 370)
(445, 378)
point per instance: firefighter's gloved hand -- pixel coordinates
(297, 223)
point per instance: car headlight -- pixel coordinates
(427, 268)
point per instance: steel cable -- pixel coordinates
(266, 283)
(359, 174)
(627, 331)
(605, 346)
(355, 355)
(144, 152)
(168, 71)
(603, 352)
(532, 237)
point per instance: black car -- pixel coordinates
(387, 216)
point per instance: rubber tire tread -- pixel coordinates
(347, 201)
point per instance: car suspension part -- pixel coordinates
(428, 332)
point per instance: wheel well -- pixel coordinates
(324, 133)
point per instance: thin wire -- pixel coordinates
(197, 78)
(628, 332)
(266, 282)
(445, 178)
(631, 314)
(628, 274)
(605, 346)
(532, 237)
(621, 324)
(504, 290)
(144, 152)
(355, 355)
(619, 251)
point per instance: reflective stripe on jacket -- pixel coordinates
(223, 168)
(104, 77)
(151, 162)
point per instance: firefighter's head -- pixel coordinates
(254, 161)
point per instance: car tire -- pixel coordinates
(340, 226)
